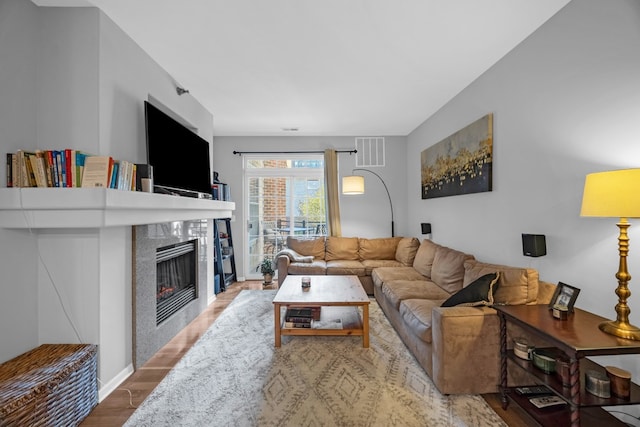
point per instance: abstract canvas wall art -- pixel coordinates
(461, 163)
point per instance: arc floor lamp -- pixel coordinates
(354, 184)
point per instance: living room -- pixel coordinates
(565, 104)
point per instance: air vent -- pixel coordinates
(370, 151)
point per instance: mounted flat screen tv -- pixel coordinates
(180, 158)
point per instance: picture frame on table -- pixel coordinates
(564, 298)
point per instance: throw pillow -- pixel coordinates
(477, 293)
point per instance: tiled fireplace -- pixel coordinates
(169, 283)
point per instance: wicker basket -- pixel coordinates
(51, 385)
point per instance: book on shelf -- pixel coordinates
(10, 167)
(542, 402)
(38, 168)
(97, 172)
(310, 313)
(28, 177)
(80, 158)
(306, 325)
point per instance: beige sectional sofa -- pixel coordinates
(344, 256)
(458, 346)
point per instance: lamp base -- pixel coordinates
(620, 329)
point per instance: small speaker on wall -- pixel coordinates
(426, 227)
(534, 245)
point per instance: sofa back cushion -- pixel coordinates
(448, 270)
(406, 250)
(424, 257)
(307, 247)
(378, 248)
(517, 285)
(341, 248)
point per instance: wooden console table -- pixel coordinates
(578, 337)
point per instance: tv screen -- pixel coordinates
(180, 158)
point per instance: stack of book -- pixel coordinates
(68, 168)
(301, 317)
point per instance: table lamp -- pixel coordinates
(616, 194)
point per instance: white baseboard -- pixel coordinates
(109, 387)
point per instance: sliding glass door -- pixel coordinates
(285, 196)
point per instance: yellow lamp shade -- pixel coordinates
(353, 184)
(612, 194)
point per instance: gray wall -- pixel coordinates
(366, 215)
(566, 103)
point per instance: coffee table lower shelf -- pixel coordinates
(560, 417)
(351, 323)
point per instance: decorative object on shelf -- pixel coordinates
(544, 360)
(597, 383)
(563, 300)
(144, 177)
(534, 245)
(620, 382)
(461, 163)
(614, 194)
(266, 268)
(522, 349)
(306, 283)
(354, 184)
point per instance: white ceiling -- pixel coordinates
(327, 67)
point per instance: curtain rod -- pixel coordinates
(240, 153)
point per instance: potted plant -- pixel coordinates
(266, 268)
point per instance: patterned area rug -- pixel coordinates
(234, 376)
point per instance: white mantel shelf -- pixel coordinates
(36, 208)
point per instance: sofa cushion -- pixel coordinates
(479, 292)
(370, 264)
(416, 313)
(448, 268)
(378, 248)
(386, 274)
(341, 248)
(345, 268)
(406, 250)
(398, 290)
(317, 267)
(307, 247)
(424, 257)
(516, 285)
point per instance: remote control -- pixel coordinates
(533, 390)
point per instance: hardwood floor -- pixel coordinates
(116, 408)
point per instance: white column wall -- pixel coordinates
(73, 79)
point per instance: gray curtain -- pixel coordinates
(331, 191)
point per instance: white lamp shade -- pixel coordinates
(353, 184)
(612, 194)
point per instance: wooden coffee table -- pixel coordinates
(338, 297)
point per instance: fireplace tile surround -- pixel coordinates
(148, 337)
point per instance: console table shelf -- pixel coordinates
(36, 208)
(577, 337)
